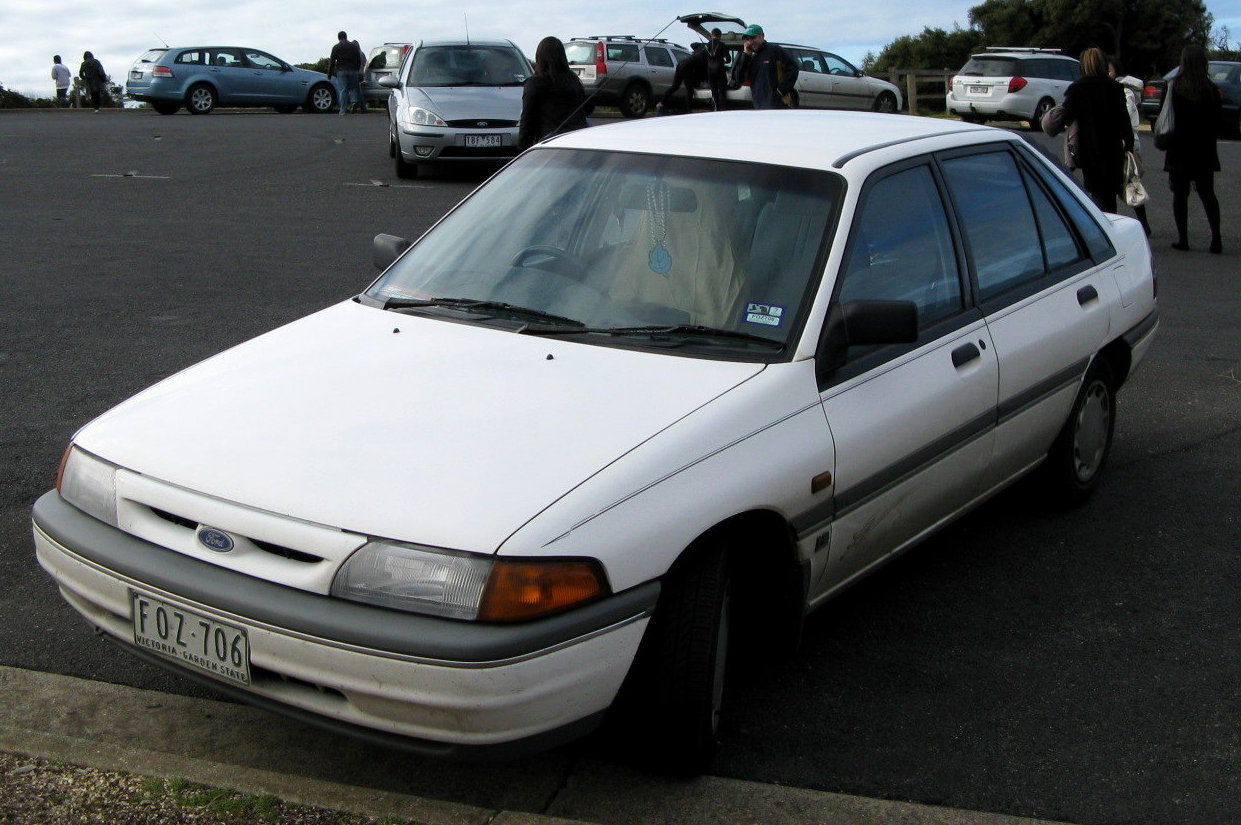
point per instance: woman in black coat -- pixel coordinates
(1192, 157)
(1096, 103)
(553, 100)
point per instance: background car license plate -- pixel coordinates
(199, 641)
(483, 141)
(979, 90)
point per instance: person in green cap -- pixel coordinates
(768, 69)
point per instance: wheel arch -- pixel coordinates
(1119, 358)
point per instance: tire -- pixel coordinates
(322, 99)
(1044, 106)
(635, 100)
(404, 169)
(200, 99)
(166, 108)
(1076, 459)
(886, 103)
(685, 663)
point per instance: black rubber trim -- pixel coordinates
(323, 617)
(1141, 329)
(424, 747)
(1050, 386)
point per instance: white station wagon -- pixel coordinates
(652, 386)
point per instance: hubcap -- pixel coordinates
(1090, 435)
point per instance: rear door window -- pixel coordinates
(657, 56)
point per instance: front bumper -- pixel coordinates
(456, 687)
(420, 144)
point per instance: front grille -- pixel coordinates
(266, 546)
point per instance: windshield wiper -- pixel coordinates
(686, 330)
(476, 305)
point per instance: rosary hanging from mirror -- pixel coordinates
(658, 199)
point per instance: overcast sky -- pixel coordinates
(118, 31)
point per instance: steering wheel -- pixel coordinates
(562, 259)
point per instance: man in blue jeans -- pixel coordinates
(346, 64)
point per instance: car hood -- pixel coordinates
(403, 427)
(308, 75)
(468, 102)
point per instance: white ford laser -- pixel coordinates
(653, 386)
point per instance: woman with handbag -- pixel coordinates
(1192, 158)
(1135, 193)
(1096, 104)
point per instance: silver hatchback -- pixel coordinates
(623, 71)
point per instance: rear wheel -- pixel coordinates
(1075, 462)
(1044, 106)
(635, 100)
(200, 99)
(886, 103)
(166, 108)
(322, 99)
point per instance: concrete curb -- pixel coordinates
(118, 728)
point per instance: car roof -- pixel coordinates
(1026, 54)
(823, 139)
(473, 41)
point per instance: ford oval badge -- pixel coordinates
(214, 539)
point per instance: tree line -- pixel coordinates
(1146, 36)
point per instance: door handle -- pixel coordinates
(1087, 294)
(964, 354)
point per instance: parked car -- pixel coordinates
(648, 392)
(203, 77)
(455, 100)
(624, 71)
(825, 80)
(1226, 74)
(383, 61)
(1006, 83)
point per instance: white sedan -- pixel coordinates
(655, 389)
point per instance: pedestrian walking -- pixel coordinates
(552, 99)
(1132, 87)
(345, 65)
(93, 77)
(769, 70)
(1095, 104)
(1192, 157)
(63, 79)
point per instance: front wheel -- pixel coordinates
(1075, 462)
(635, 100)
(322, 99)
(1044, 106)
(686, 662)
(200, 99)
(886, 103)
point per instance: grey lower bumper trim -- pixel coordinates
(322, 617)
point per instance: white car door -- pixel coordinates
(814, 84)
(849, 87)
(913, 424)
(1033, 248)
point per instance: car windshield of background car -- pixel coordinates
(467, 66)
(618, 240)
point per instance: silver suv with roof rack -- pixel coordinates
(624, 71)
(1011, 83)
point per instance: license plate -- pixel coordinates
(196, 640)
(483, 141)
(979, 90)
(135, 75)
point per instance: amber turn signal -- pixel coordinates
(519, 590)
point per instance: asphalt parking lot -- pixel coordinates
(1072, 666)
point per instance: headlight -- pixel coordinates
(88, 483)
(417, 116)
(465, 585)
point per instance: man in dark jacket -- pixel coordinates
(346, 63)
(769, 70)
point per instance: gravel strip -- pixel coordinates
(35, 791)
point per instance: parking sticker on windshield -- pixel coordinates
(766, 314)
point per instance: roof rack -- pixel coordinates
(625, 37)
(1024, 49)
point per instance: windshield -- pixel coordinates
(464, 65)
(613, 244)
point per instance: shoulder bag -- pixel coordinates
(1165, 125)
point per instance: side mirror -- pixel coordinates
(387, 248)
(860, 323)
(390, 81)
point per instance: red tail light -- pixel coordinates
(601, 59)
(1016, 84)
(161, 71)
(1151, 92)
